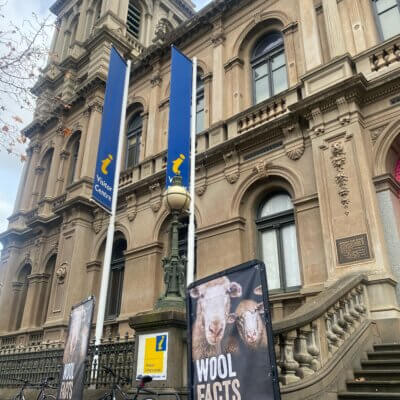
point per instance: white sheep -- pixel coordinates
(213, 309)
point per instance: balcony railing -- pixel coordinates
(34, 363)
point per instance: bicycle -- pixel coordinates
(42, 385)
(116, 389)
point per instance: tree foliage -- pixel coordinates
(23, 50)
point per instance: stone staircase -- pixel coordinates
(379, 376)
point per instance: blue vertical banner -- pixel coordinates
(178, 157)
(103, 185)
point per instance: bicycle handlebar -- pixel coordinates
(120, 378)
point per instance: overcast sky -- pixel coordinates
(10, 167)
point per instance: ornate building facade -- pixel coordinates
(298, 158)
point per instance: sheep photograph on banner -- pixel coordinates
(231, 350)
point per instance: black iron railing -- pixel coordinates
(38, 362)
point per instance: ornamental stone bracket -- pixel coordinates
(232, 166)
(261, 169)
(97, 223)
(293, 141)
(343, 110)
(131, 205)
(201, 180)
(61, 273)
(155, 197)
(317, 121)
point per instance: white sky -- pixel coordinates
(10, 166)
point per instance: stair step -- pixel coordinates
(387, 347)
(374, 386)
(378, 364)
(363, 395)
(383, 355)
(378, 374)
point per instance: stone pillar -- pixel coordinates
(37, 182)
(389, 207)
(234, 72)
(16, 308)
(22, 183)
(92, 138)
(54, 166)
(333, 28)
(58, 49)
(153, 121)
(357, 25)
(289, 32)
(38, 284)
(368, 15)
(218, 95)
(80, 30)
(207, 79)
(311, 40)
(28, 312)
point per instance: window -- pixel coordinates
(134, 135)
(74, 160)
(50, 269)
(200, 104)
(388, 16)
(114, 296)
(268, 67)
(20, 296)
(278, 242)
(46, 164)
(133, 19)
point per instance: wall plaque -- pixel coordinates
(353, 248)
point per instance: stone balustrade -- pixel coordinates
(262, 114)
(385, 57)
(310, 338)
(137, 47)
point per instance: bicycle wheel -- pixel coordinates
(19, 397)
(48, 397)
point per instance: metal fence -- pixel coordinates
(38, 362)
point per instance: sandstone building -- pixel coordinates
(298, 163)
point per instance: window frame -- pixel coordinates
(266, 58)
(200, 94)
(137, 133)
(74, 155)
(378, 21)
(133, 4)
(276, 222)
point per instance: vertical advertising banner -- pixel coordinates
(231, 351)
(75, 351)
(104, 175)
(180, 100)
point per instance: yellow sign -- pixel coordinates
(152, 355)
(153, 359)
(177, 163)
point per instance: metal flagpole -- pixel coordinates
(191, 233)
(105, 277)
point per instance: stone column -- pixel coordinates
(80, 30)
(22, 183)
(28, 187)
(333, 28)
(82, 141)
(368, 15)
(311, 40)
(234, 72)
(289, 32)
(16, 308)
(55, 162)
(389, 207)
(36, 300)
(357, 25)
(60, 40)
(92, 139)
(37, 182)
(218, 95)
(28, 312)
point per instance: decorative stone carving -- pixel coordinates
(156, 80)
(201, 180)
(318, 124)
(232, 166)
(338, 160)
(296, 153)
(376, 132)
(131, 207)
(294, 141)
(97, 221)
(155, 197)
(261, 168)
(344, 110)
(61, 273)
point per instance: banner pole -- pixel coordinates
(191, 233)
(105, 277)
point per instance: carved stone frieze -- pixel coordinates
(338, 160)
(232, 166)
(131, 206)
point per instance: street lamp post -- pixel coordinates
(174, 265)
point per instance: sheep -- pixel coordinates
(250, 324)
(213, 309)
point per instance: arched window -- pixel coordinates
(134, 135)
(133, 20)
(20, 299)
(200, 102)
(388, 17)
(114, 296)
(46, 165)
(74, 152)
(269, 67)
(278, 242)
